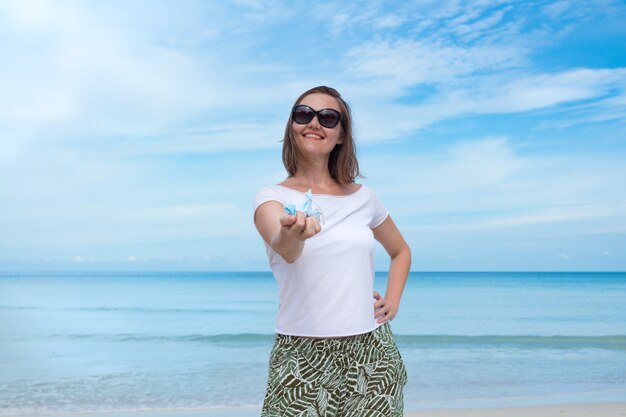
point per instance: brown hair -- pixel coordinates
(342, 163)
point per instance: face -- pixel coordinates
(313, 138)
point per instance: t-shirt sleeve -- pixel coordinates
(379, 212)
(264, 195)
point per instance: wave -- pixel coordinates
(611, 342)
(131, 309)
(242, 338)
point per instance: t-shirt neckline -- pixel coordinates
(323, 195)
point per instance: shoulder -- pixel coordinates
(372, 195)
(268, 193)
(365, 190)
(353, 188)
(268, 188)
(377, 209)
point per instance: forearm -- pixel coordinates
(398, 273)
(289, 248)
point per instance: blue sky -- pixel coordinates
(133, 135)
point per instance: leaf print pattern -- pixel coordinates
(353, 376)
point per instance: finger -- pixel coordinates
(377, 295)
(380, 301)
(380, 311)
(287, 220)
(383, 316)
(309, 228)
(385, 319)
(380, 318)
(389, 315)
(299, 224)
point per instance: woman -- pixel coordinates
(334, 353)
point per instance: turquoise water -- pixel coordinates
(74, 342)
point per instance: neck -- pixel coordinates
(314, 176)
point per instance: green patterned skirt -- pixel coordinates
(352, 376)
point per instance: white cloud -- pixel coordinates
(464, 166)
(478, 28)
(107, 110)
(183, 213)
(408, 62)
(603, 110)
(84, 72)
(561, 93)
(461, 167)
(81, 71)
(557, 9)
(31, 15)
(546, 90)
(545, 215)
(217, 137)
(126, 82)
(486, 72)
(389, 21)
(492, 185)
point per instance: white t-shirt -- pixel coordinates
(328, 290)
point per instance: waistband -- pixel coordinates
(381, 332)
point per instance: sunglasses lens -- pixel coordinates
(328, 118)
(303, 114)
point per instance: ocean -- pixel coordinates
(102, 341)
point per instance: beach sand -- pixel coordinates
(611, 409)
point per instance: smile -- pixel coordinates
(312, 136)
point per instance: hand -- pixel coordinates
(299, 226)
(384, 310)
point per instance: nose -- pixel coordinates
(315, 123)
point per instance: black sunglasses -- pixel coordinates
(304, 114)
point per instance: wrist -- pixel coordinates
(392, 299)
(287, 246)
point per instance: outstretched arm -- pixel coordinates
(283, 232)
(390, 237)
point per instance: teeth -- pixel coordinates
(310, 135)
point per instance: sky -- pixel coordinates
(133, 135)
